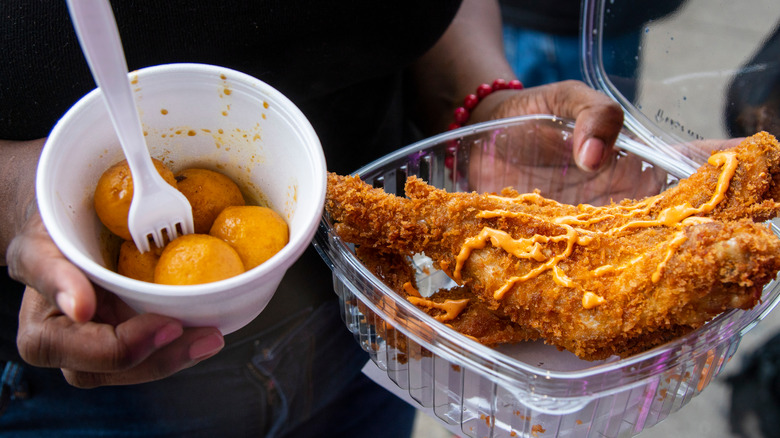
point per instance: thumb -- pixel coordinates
(73, 292)
(595, 132)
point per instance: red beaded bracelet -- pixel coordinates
(462, 113)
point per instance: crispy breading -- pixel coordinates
(596, 281)
(476, 320)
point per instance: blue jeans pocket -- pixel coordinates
(304, 362)
(263, 385)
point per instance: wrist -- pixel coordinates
(463, 114)
(17, 187)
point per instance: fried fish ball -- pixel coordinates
(135, 264)
(197, 259)
(256, 233)
(114, 193)
(209, 192)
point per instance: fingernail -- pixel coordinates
(67, 304)
(592, 153)
(167, 334)
(206, 346)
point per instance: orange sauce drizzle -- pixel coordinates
(674, 215)
(451, 308)
(695, 220)
(607, 269)
(520, 248)
(591, 300)
(630, 211)
(410, 290)
(675, 243)
(571, 237)
(536, 198)
(532, 248)
(561, 278)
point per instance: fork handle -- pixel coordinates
(99, 38)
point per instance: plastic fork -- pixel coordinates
(157, 207)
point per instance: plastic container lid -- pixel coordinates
(686, 70)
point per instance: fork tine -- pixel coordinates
(180, 227)
(158, 238)
(187, 226)
(142, 244)
(172, 231)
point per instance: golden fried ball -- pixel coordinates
(257, 233)
(197, 259)
(209, 192)
(135, 264)
(114, 192)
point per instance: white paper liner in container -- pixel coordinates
(527, 389)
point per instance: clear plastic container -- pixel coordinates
(686, 70)
(527, 389)
(683, 71)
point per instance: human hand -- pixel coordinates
(96, 339)
(598, 118)
(535, 153)
(530, 153)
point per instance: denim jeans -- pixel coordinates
(539, 58)
(300, 378)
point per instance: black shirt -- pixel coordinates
(340, 61)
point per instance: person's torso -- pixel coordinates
(340, 61)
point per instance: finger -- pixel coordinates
(601, 116)
(48, 339)
(111, 309)
(599, 120)
(35, 260)
(195, 345)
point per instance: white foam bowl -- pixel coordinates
(193, 115)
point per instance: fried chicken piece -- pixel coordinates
(753, 192)
(596, 281)
(474, 320)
